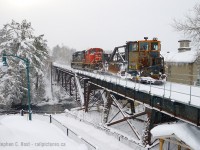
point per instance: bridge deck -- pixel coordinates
(179, 100)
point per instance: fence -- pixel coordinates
(119, 137)
(71, 134)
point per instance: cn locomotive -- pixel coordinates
(92, 59)
(138, 58)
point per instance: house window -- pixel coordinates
(184, 44)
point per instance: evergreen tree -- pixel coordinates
(18, 39)
(62, 54)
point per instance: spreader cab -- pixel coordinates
(144, 56)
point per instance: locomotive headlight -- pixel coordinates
(155, 39)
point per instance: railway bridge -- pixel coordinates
(163, 103)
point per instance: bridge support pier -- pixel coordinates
(107, 105)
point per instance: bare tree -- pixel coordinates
(191, 25)
(191, 28)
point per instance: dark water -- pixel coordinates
(47, 108)
(56, 108)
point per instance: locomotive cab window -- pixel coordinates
(92, 52)
(154, 46)
(144, 46)
(133, 47)
(99, 50)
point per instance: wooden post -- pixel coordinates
(179, 147)
(161, 143)
(50, 119)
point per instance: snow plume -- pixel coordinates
(17, 39)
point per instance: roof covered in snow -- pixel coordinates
(187, 133)
(180, 57)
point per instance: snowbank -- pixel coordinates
(20, 134)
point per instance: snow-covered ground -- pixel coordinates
(18, 133)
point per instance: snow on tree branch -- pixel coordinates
(19, 39)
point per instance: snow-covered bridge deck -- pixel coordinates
(178, 100)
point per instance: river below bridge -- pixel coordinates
(55, 108)
(45, 107)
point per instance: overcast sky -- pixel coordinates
(82, 24)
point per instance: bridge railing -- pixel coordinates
(172, 90)
(183, 93)
(188, 94)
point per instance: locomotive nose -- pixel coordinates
(98, 56)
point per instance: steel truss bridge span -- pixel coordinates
(163, 103)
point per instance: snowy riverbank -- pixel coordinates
(20, 134)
